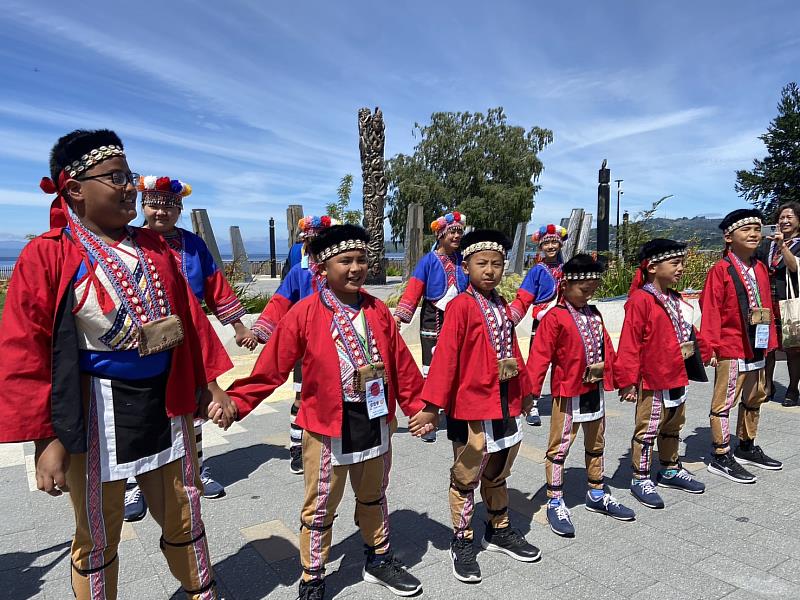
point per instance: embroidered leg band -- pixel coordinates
(723, 414)
(595, 454)
(377, 546)
(641, 441)
(555, 488)
(87, 572)
(317, 573)
(595, 481)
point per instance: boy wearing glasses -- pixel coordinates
(110, 368)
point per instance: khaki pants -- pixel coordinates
(324, 485)
(173, 494)
(729, 384)
(474, 466)
(562, 434)
(655, 421)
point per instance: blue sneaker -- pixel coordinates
(681, 480)
(608, 505)
(533, 417)
(135, 504)
(645, 492)
(211, 487)
(560, 519)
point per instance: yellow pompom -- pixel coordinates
(187, 190)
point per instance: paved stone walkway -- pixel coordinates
(733, 542)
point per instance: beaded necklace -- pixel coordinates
(750, 283)
(682, 329)
(500, 334)
(355, 346)
(142, 305)
(590, 328)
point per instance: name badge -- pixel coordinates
(376, 399)
(762, 337)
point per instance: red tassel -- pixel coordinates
(47, 186)
(638, 278)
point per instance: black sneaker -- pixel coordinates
(509, 541)
(135, 504)
(725, 465)
(311, 590)
(296, 459)
(465, 565)
(755, 456)
(391, 573)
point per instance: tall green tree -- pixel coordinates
(340, 210)
(776, 178)
(472, 162)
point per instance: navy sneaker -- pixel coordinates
(211, 487)
(392, 574)
(645, 492)
(681, 480)
(560, 520)
(755, 456)
(608, 505)
(533, 417)
(135, 504)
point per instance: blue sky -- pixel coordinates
(254, 103)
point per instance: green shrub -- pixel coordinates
(394, 271)
(509, 285)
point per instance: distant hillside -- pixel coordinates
(696, 229)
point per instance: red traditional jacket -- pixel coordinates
(305, 332)
(463, 379)
(558, 342)
(37, 376)
(648, 347)
(723, 331)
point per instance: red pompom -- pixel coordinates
(47, 185)
(551, 228)
(164, 184)
(456, 215)
(326, 221)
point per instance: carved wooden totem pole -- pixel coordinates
(371, 140)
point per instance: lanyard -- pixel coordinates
(501, 334)
(355, 346)
(672, 305)
(590, 328)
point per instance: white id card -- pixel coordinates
(376, 399)
(762, 336)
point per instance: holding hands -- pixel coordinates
(217, 406)
(424, 421)
(628, 394)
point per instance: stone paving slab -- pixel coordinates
(733, 542)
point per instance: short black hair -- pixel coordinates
(336, 234)
(75, 144)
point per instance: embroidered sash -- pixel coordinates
(590, 328)
(500, 334)
(671, 303)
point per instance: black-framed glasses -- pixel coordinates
(118, 178)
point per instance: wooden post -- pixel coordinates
(273, 263)
(241, 262)
(202, 227)
(583, 234)
(516, 258)
(414, 232)
(294, 213)
(371, 142)
(573, 227)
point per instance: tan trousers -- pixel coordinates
(474, 466)
(655, 421)
(324, 485)
(173, 495)
(729, 384)
(562, 434)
